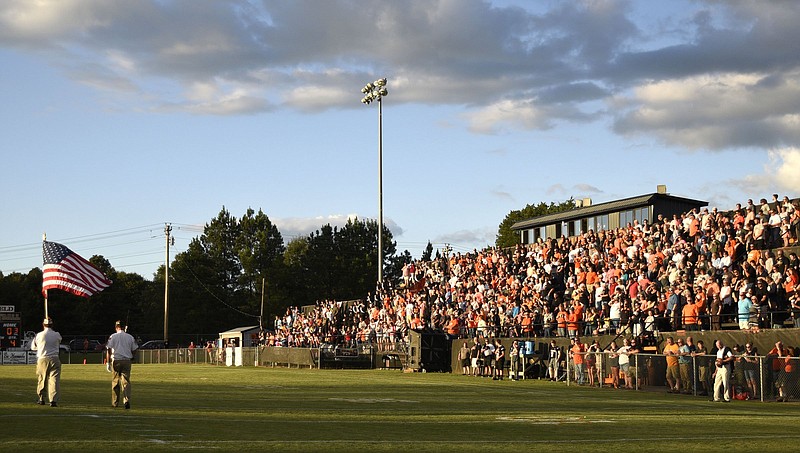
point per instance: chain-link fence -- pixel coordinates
(213, 356)
(745, 377)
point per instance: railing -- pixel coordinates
(763, 378)
(725, 321)
(180, 355)
(360, 355)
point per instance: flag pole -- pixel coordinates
(44, 239)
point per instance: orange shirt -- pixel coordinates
(701, 304)
(592, 279)
(526, 323)
(672, 360)
(578, 353)
(572, 321)
(561, 318)
(791, 281)
(689, 314)
(454, 327)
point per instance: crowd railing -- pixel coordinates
(752, 377)
(728, 321)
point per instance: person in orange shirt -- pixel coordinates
(690, 315)
(416, 323)
(694, 228)
(454, 326)
(780, 360)
(526, 324)
(577, 352)
(472, 324)
(592, 280)
(792, 280)
(753, 255)
(561, 320)
(702, 308)
(573, 320)
(672, 350)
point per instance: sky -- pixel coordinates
(118, 117)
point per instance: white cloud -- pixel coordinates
(778, 175)
(786, 168)
(466, 240)
(556, 189)
(714, 76)
(716, 111)
(516, 114)
(313, 98)
(587, 189)
(502, 195)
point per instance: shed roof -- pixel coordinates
(603, 208)
(237, 330)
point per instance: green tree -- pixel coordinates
(218, 278)
(506, 237)
(336, 263)
(260, 248)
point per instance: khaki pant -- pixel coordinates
(121, 382)
(48, 374)
(722, 384)
(686, 376)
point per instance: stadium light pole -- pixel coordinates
(375, 91)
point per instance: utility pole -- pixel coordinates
(167, 231)
(261, 316)
(447, 249)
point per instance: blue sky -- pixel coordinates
(120, 116)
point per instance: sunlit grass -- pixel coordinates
(181, 407)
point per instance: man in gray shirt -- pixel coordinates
(120, 353)
(48, 365)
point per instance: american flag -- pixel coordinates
(68, 271)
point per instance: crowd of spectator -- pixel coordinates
(704, 269)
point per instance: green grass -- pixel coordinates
(206, 408)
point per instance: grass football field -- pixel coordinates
(207, 408)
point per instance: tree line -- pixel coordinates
(218, 282)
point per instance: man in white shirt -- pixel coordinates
(722, 375)
(120, 353)
(774, 228)
(48, 365)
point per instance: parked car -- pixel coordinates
(154, 344)
(82, 345)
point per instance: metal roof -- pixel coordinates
(603, 208)
(237, 330)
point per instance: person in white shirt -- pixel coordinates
(48, 365)
(120, 354)
(722, 375)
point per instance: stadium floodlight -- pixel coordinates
(375, 91)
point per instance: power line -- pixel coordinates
(29, 252)
(215, 296)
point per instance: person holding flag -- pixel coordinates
(48, 365)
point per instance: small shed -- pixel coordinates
(240, 337)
